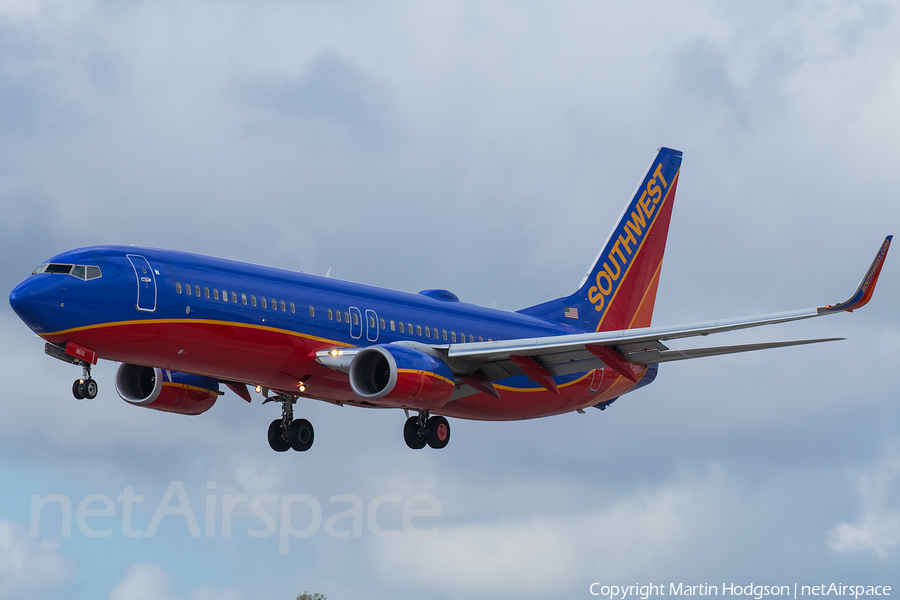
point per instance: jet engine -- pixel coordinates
(401, 377)
(170, 391)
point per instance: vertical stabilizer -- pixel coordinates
(619, 290)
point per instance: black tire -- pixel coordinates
(411, 434)
(89, 389)
(437, 432)
(301, 435)
(76, 390)
(275, 441)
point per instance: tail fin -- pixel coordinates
(619, 291)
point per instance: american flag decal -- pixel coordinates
(570, 312)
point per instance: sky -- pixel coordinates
(486, 148)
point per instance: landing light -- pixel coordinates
(301, 387)
(335, 352)
(258, 389)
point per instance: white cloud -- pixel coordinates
(879, 528)
(147, 581)
(554, 554)
(30, 568)
(522, 127)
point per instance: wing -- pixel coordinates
(478, 364)
(542, 358)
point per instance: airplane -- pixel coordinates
(182, 324)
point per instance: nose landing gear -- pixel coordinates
(85, 387)
(82, 388)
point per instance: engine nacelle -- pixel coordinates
(401, 377)
(170, 391)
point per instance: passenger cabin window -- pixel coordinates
(263, 301)
(330, 315)
(338, 316)
(418, 329)
(206, 293)
(188, 288)
(444, 332)
(355, 319)
(480, 339)
(244, 299)
(234, 297)
(428, 331)
(381, 323)
(215, 293)
(224, 296)
(252, 300)
(347, 316)
(197, 290)
(274, 304)
(371, 321)
(177, 287)
(312, 311)
(294, 309)
(452, 336)
(393, 325)
(471, 339)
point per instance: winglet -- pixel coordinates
(866, 287)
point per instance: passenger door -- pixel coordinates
(146, 283)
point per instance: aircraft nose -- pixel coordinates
(33, 300)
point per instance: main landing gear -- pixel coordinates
(421, 431)
(85, 387)
(287, 432)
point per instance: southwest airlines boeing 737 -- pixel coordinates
(183, 324)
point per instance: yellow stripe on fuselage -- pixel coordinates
(541, 389)
(196, 322)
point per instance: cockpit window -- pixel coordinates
(61, 269)
(79, 271)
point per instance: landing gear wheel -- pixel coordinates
(437, 432)
(301, 435)
(89, 389)
(411, 434)
(275, 440)
(76, 390)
